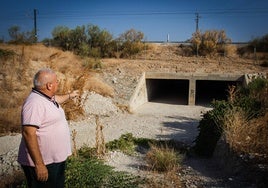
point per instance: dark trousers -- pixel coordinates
(56, 176)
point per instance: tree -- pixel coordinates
(61, 37)
(260, 43)
(77, 37)
(93, 32)
(131, 42)
(100, 39)
(21, 37)
(14, 32)
(131, 36)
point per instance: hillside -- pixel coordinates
(117, 78)
(116, 81)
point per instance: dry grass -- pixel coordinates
(242, 133)
(161, 158)
(17, 71)
(246, 136)
(163, 162)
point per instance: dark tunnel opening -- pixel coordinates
(209, 90)
(168, 91)
(176, 91)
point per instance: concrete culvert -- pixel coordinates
(168, 91)
(183, 88)
(209, 90)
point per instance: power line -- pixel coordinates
(76, 14)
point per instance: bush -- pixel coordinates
(230, 50)
(253, 98)
(131, 48)
(210, 129)
(90, 63)
(125, 143)
(244, 135)
(210, 42)
(231, 117)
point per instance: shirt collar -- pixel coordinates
(52, 99)
(42, 94)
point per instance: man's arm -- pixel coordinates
(62, 98)
(29, 135)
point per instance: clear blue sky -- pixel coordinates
(242, 20)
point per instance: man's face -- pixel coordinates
(54, 83)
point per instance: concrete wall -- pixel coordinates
(139, 96)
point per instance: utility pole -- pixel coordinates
(197, 21)
(197, 29)
(35, 26)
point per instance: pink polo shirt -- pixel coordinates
(53, 132)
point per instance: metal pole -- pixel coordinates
(35, 26)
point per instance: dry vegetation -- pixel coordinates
(246, 136)
(17, 71)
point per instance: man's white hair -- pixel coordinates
(42, 77)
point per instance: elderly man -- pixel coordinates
(45, 143)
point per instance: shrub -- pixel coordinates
(210, 129)
(253, 98)
(83, 50)
(230, 50)
(210, 42)
(125, 143)
(235, 118)
(90, 63)
(244, 135)
(131, 48)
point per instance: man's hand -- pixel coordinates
(41, 172)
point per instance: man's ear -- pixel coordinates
(49, 86)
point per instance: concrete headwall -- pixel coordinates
(140, 95)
